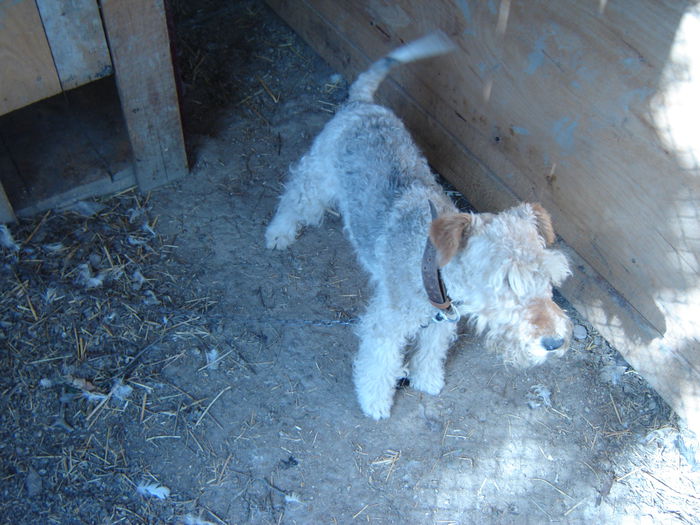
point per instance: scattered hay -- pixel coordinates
(82, 332)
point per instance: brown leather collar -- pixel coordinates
(432, 277)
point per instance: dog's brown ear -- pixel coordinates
(448, 233)
(544, 223)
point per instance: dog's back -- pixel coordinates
(377, 167)
(376, 160)
(363, 161)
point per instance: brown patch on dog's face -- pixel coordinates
(448, 233)
(543, 314)
(544, 223)
(551, 327)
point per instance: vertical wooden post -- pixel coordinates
(139, 43)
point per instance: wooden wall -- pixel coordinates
(28, 73)
(587, 107)
(47, 46)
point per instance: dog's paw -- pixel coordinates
(376, 402)
(376, 410)
(277, 238)
(430, 384)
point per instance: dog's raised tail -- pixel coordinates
(432, 44)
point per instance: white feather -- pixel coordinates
(212, 359)
(121, 391)
(147, 228)
(86, 208)
(134, 213)
(51, 295)
(54, 247)
(153, 489)
(135, 241)
(87, 279)
(6, 239)
(138, 279)
(150, 298)
(94, 398)
(194, 520)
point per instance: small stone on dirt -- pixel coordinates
(580, 332)
(33, 483)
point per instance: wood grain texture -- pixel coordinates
(27, 72)
(7, 214)
(61, 143)
(556, 102)
(76, 38)
(140, 47)
(120, 181)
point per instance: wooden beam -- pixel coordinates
(139, 43)
(120, 181)
(27, 71)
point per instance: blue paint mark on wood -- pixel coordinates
(535, 59)
(635, 97)
(492, 7)
(520, 131)
(463, 6)
(563, 131)
(537, 56)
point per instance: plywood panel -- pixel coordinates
(563, 103)
(76, 38)
(26, 65)
(140, 48)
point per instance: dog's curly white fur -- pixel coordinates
(499, 268)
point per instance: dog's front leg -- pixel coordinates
(379, 360)
(427, 367)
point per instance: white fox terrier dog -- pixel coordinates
(429, 264)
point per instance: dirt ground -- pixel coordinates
(161, 366)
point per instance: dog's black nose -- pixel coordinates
(552, 343)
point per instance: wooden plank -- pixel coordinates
(7, 214)
(120, 181)
(139, 43)
(28, 73)
(8, 176)
(597, 172)
(76, 38)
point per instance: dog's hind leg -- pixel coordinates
(309, 191)
(427, 366)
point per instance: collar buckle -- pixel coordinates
(450, 314)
